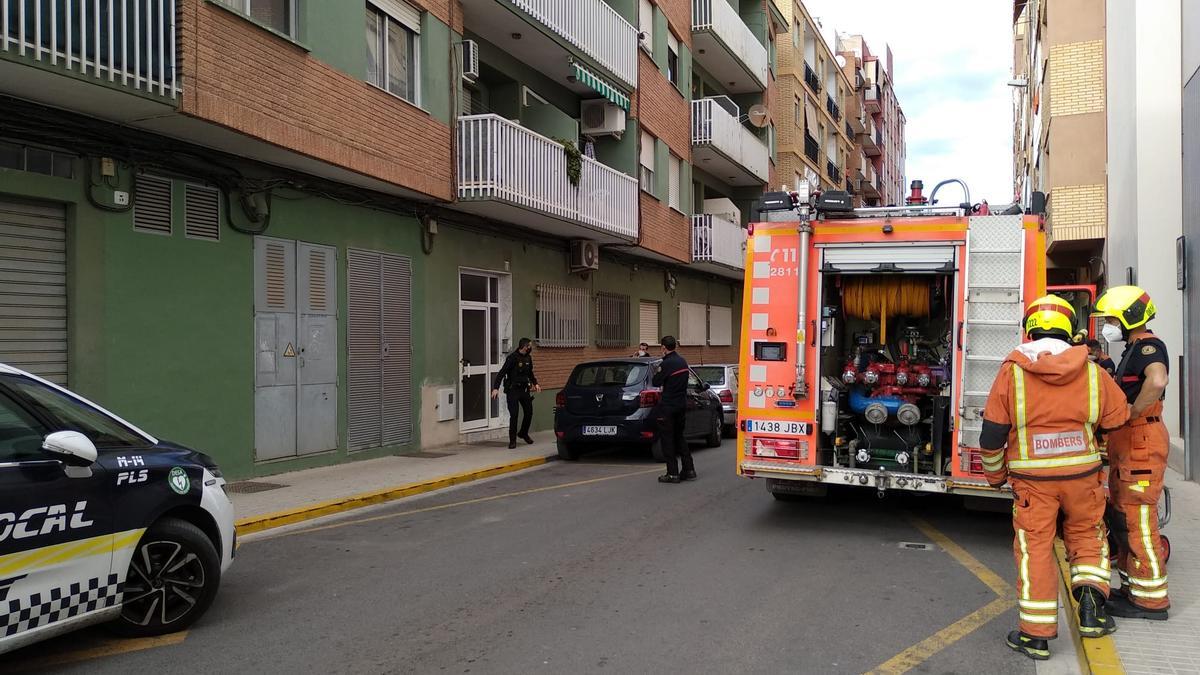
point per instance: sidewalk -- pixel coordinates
(285, 498)
(1172, 646)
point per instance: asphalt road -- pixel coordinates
(596, 567)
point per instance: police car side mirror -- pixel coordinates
(73, 447)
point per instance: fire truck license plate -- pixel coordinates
(778, 427)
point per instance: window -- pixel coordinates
(561, 316)
(771, 141)
(70, 414)
(720, 326)
(672, 59)
(648, 328)
(278, 15)
(647, 163)
(21, 434)
(714, 375)
(796, 34)
(152, 204)
(692, 319)
(798, 112)
(609, 374)
(646, 25)
(674, 169)
(36, 160)
(393, 29)
(612, 320)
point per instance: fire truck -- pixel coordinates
(871, 337)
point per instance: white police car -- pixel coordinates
(100, 521)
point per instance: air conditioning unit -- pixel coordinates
(468, 56)
(598, 117)
(585, 255)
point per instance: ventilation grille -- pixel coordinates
(202, 213)
(152, 205)
(276, 276)
(318, 282)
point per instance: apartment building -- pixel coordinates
(815, 138)
(880, 127)
(293, 234)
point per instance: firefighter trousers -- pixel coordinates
(1036, 508)
(1138, 455)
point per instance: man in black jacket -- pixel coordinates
(519, 386)
(672, 376)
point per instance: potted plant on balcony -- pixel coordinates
(574, 160)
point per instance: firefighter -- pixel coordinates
(1039, 434)
(1137, 454)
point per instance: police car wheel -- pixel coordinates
(172, 580)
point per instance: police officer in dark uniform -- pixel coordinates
(519, 386)
(671, 413)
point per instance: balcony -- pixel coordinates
(727, 48)
(726, 149)
(873, 99)
(869, 183)
(834, 173)
(106, 50)
(857, 123)
(849, 130)
(811, 148)
(833, 108)
(590, 27)
(867, 139)
(718, 245)
(510, 173)
(811, 79)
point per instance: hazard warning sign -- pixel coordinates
(290, 351)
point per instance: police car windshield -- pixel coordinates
(68, 414)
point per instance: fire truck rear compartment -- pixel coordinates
(885, 371)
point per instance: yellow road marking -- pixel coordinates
(1098, 656)
(925, 649)
(441, 507)
(110, 647)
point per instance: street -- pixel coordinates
(596, 567)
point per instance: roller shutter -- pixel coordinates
(33, 289)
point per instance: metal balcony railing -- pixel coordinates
(721, 19)
(502, 160)
(125, 42)
(811, 79)
(871, 96)
(592, 26)
(713, 125)
(833, 108)
(849, 130)
(717, 240)
(834, 173)
(811, 148)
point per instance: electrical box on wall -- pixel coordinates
(447, 406)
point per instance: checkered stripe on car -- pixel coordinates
(43, 609)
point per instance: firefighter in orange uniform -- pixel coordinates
(1137, 454)
(1039, 434)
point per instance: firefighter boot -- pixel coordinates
(1121, 605)
(1094, 621)
(1037, 649)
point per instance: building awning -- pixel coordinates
(596, 82)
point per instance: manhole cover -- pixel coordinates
(249, 487)
(427, 455)
(913, 546)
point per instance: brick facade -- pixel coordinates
(1077, 212)
(679, 17)
(1077, 78)
(662, 110)
(242, 77)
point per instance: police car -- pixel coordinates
(100, 521)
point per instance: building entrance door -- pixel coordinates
(480, 355)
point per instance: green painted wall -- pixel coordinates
(436, 84)
(627, 9)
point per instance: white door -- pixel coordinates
(480, 355)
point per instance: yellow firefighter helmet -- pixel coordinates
(1128, 304)
(1050, 316)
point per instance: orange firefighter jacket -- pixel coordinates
(1043, 413)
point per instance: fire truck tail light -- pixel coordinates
(781, 448)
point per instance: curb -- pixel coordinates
(1098, 656)
(268, 521)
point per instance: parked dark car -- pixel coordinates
(611, 401)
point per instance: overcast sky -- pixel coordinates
(951, 64)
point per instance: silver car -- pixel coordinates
(723, 380)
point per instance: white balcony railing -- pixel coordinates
(720, 18)
(595, 28)
(714, 126)
(717, 240)
(126, 42)
(499, 159)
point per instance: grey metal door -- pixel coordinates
(379, 315)
(33, 289)
(295, 325)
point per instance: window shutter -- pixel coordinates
(646, 24)
(672, 43)
(673, 183)
(152, 204)
(720, 326)
(364, 376)
(202, 212)
(396, 281)
(648, 325)
(402, 12)
(692, 323)
(647, 151)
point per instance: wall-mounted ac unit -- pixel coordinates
(468, 56)
(585, 256)
(598, 117)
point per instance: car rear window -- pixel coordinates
(714, 375)
(609, 374)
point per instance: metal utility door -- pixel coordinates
(295, 332)
(379, 339)
(479, 356)
(995, 275)
(33, 289)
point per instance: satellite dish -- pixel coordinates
(759, 115)
(841, 61)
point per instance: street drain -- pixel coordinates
(912, 546)
(250, 487)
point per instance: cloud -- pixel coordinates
(951, 63)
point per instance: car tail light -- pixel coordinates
(650, 398)
(783, 448)
(726, 396)
(560, 399)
